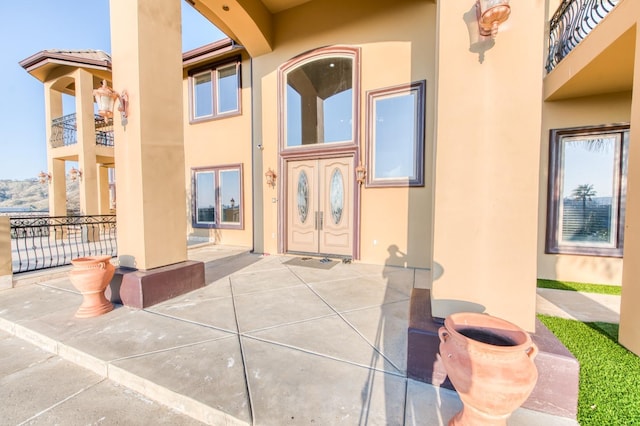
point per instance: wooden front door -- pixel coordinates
(320, 206)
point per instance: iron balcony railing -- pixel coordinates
(64, 131)
(571, 23)
(44, 242)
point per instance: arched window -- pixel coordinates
(319, 93)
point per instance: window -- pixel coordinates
(217, 195)
(587, 190)
(395, 135)
(215, 92)
(320, 98)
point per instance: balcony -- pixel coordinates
(571, 23)
(64, 131)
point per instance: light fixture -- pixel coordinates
(106, 97)
(491, 13)
(361, 174)
(271, 177)
(44, 177)
(75, 174)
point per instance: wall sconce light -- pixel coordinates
(271, 177)
(106, 98)
(75, 174)
(44, 177)
(361, 174)
(492, 13)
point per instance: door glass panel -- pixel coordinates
(303, 196)
(336, 196)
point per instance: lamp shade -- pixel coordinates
(105, 98)
(492, 13)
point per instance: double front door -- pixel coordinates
(320, 206)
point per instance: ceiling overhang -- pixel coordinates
(47, 63)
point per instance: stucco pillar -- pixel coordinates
(629, 333)
(58, 184)
(146, 49)
(103, 189)
(6, 269)
(86, 133)
(487, 164)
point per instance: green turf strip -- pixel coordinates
(609, 374)
(587, 288)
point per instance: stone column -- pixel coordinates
(629, 334)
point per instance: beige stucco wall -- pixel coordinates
(487, 159)
(586, 111)
(397, 46)
(149, 153)
(6, 269)
(221, 142)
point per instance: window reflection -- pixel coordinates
(203, 88)
(589, 182)
(227, 89)
(218, 200)
(319, 102)
(205, 197)
(230, 195)
(395, 135)
(395, 132)
(587, 190)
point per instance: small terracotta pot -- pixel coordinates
(490, 363)
(91, 276)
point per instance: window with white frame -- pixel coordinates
(587, 190)
(217, 197)
(215, 92)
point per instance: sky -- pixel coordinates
(30, 26)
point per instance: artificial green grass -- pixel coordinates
(588, 288)
(609, 392)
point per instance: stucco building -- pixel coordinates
(383, 132)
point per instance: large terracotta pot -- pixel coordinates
(490, 363)
(91, 276)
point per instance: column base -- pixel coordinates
(141, 289)
(556, 391)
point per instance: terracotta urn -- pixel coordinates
(490, 363)
(91, 276)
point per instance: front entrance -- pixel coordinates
(320, 206)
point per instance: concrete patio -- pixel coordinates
(264, 343)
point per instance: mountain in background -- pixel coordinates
(31, 195)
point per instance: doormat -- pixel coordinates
(312, 262)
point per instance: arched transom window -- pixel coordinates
(319, 96)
